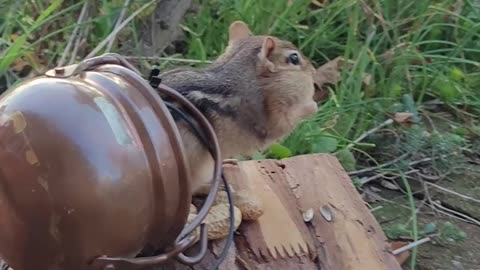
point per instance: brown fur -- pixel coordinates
(251, 95)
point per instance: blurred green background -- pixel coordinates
(409, 97)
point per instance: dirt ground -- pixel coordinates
(442, 253)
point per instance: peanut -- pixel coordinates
(249, 204)
(218, 221)
(191, 216)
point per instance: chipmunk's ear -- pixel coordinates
(238, 30)
(268, 47)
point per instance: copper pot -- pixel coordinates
(92, 171)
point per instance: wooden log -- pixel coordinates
(345, 237)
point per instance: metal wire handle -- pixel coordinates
(209, 139)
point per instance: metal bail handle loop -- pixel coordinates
(108, 58)
(90, 64)
(183, 241)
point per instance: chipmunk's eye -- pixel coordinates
(294, 59)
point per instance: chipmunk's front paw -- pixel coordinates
(249, 204)
(218, 221)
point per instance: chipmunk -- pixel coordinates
(254, 94)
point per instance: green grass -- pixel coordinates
(416, 53)
(411, 202)
(35, 34)
(440, 59)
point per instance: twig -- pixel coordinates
(453, 192)
(242, 262)
(450, 215)
(396, 175)
(369, 132)
(425, 113)
(380, 198)
(369, 169)
(470, 219)
(74, 33)
(384, 174)
(422, 203)
(120, 27)
(371, 178)
(410, 246)
(413, 163)
(416, 162)
(428, 196)
(376, 208)
(430, 177)
(119, 20)
(462, 111)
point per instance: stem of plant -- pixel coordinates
(414, 219)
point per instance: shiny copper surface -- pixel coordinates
(91, 164)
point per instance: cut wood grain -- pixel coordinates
(353, 239)
(280, 231)
(350, 240)
(244, 193)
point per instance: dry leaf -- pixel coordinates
(25, 64)
(328, 73)
(36, 63)
(19, 65)
(402, 257)
(402, 117)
